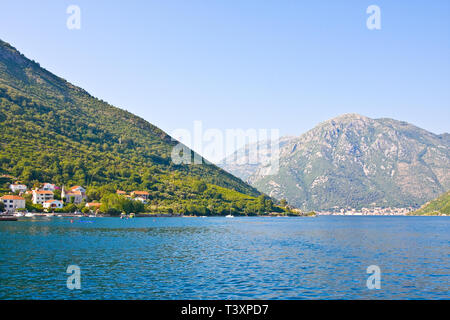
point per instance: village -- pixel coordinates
(375, 211)
(50, 198)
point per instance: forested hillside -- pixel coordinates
(438, 206)
(53, 131)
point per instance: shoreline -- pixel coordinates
(71, 215)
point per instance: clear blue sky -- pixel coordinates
(246, 63)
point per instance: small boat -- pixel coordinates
(18, 214)
(8, 218)
(229, 216)
(29, 215)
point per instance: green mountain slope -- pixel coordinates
(51, 130)
(438, 206)
(354, 161)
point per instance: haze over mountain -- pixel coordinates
(354, 161)
(240, 163)
(53, 131)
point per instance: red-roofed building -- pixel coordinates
(78, 188)
(93, 205)
(53, 204)
(40, 196)
(75, 194)
(12, 202)
(141, 194)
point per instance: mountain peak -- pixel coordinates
(355, 161)
(348, 118)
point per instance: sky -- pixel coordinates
(246, 64)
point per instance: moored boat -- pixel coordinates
(7, 218)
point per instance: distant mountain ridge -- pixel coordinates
(355, 161)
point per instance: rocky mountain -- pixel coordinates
(51, 130)
(245, 161)
(355, 161)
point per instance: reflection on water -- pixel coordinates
(218, 258)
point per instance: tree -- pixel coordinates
(268, 205)
(261, 203)
(2, 206)
(199, 186)
(57, 194)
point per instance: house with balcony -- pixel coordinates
(41, 196)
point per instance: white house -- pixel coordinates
(49, 187)
(40, 196)
(75, 194)
(13, 202)
(53, 204)
(78, 188)
(141, 199)
(18, 187)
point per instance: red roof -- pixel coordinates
(12, 197)
(141, 192)
(93, 204)
(74, 192)
(44, 192)
(50, 201)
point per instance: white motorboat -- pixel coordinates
(29, 215)
(229, 216)
(18, 214)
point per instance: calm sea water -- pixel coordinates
(219, 258)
